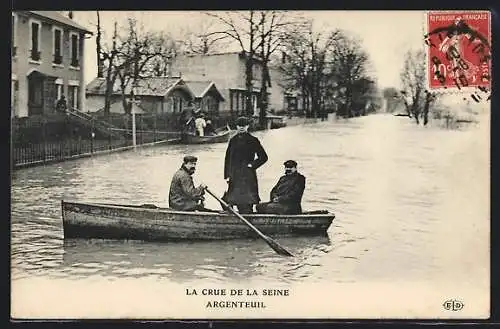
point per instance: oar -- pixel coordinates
(273, 244)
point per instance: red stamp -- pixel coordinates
(458, 50)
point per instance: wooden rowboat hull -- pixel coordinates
(194, 139)
(127, 222)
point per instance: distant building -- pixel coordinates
(156, 94)
(47, 62)
(281, 97)
(226, 70)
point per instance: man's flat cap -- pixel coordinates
(190, 158)
(290, 164)
(242, 121)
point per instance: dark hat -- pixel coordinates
(242, 121)
(190, 158)
(290, 164)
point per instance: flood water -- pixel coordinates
(411, 204)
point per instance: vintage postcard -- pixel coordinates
(250, 164)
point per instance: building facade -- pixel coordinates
(227, 71)
(47, 62)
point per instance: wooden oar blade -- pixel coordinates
(273, 244)
(277, 247)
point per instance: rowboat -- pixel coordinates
(151, 223)
(220, 137)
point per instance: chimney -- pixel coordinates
(70, 14)
(283, 57)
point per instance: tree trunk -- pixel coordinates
(428, 100)
(248, 85)
(110, 75)
(415, 107)
(108, 93)
(98, 47)
(263, 104)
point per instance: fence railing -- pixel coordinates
(45, 139)
(56, 151)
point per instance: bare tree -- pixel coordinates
(348, 68)
(108, 63)
(137, 54)
(418, 100)
(100, 69)
(413, 81)
(294, 64)
(273, 29)
(200, 38)
(242, 28)
(324, 64)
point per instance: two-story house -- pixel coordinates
(227, 71)
(47, 62)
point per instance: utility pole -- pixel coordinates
(132, 103)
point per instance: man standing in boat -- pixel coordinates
(183, 194)
(244, 155)
(286, 195)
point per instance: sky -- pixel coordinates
(385, 35)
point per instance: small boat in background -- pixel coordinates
(222, 136)
(151, 223)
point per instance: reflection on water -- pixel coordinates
(393, 186)
(185, 261)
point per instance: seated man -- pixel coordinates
(183, 194)
(286, 195)
(209, 128)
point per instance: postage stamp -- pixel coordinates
(252, 164)
(459, 50)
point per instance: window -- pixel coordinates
(14, 35)
(13, 94)
(57, 38)
(35, 30)
(60, 88)
(74, 41)
(73, 96)
(243, 101)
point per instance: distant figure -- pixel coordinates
(209, 128)
(286, 195)
(200, 124)
(183, 194)
(244, 155)
(61, 105)
(186, 119)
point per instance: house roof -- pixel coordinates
(57, 17)
(150, 86)
(201, 88)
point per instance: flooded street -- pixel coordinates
(411, 205)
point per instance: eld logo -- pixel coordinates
(453, 305)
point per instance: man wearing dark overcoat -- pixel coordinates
(183, 194)
(244, 155)
(286, 195)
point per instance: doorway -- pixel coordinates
(35, 93)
